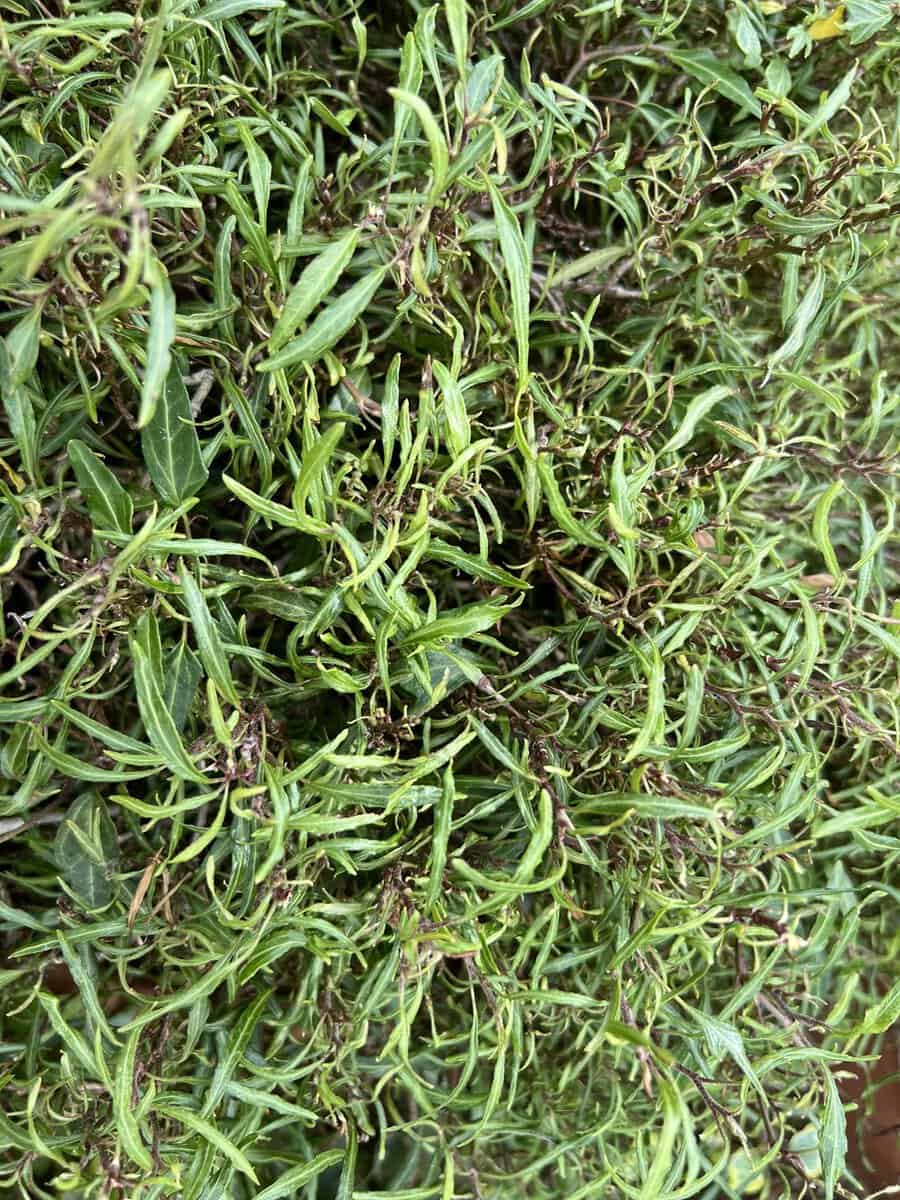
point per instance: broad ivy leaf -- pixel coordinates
(171, 446)
(87, 851)
(108, 503)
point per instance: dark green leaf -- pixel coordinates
(170, 444)
(108, 503)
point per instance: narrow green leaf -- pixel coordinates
(257, 1098)
(158, 720)
(800, 321)
(270, 509)
(228, 10)
(410, 79)
(706, 68)
(251, 230)
(471, 564)
(316, 280)
(653, 724)
(560, 510)
(458, 623)
(437, 858)
(345, 1190)
(661, 1156)
(159, 343)
(518, 273)
(297, 210)
(314, 462)
(18, 357)
(830, 398)
(209, 643)
(458, 24)
(832, 1137)
(238, 1041)
(332, 323)
(459, 432)
(297, 1177)
(123, 1103)
(390, 411)
(78, 960)
(881, 1015)
(71, 1038)
(698, 408)
(260, 173)
(188, 997)
(832, 104)
(115, 151)
(821, 530)
(22, 344)
(212, 1135)
(437, 143)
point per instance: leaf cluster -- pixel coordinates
(450, 627)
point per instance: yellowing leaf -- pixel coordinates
(828, 27)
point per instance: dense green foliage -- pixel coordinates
(450, 646)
